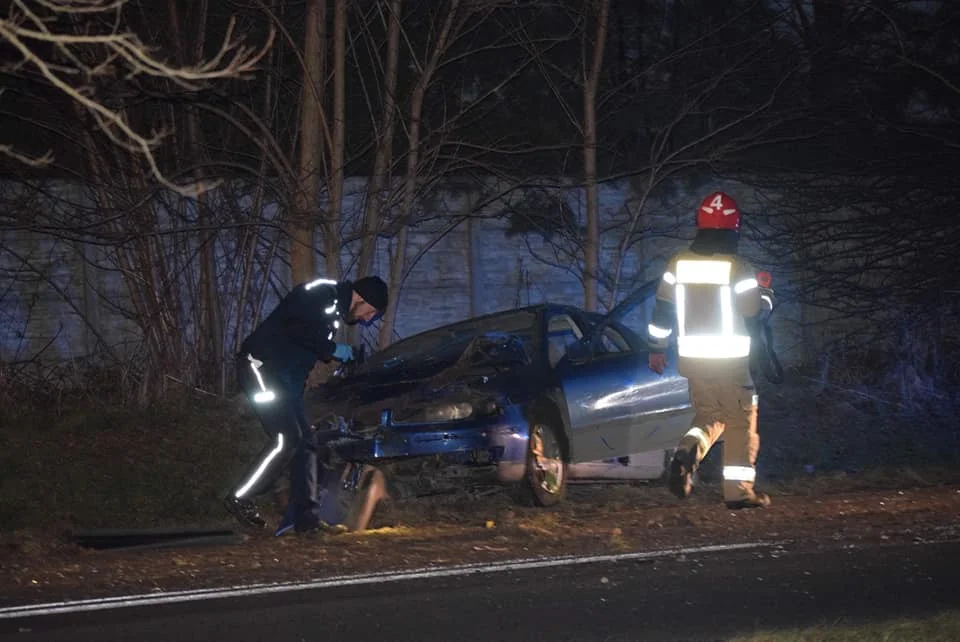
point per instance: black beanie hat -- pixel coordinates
(373, 290)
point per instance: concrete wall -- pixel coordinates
(58, 296)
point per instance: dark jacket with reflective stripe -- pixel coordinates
(300, 330)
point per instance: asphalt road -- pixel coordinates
(697, 595)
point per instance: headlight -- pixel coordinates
(448, 411)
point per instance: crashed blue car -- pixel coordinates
(538, 396)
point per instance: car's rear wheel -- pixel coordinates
(545, 477)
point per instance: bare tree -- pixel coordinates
(672, 105)
(336, 183)
(457, 18)
(312, 127)
(77, 45)
(451, 20)
(210, 337)
(591, 83)
(384, 132)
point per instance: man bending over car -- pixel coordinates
(273, 365)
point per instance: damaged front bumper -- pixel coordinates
(499, 440)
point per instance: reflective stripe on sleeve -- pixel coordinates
(657, 332)
(318, 282)
(745, 285)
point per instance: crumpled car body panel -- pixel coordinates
(470, 391)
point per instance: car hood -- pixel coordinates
(411, 388)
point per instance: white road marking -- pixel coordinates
(124, 601)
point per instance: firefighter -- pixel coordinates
(710, 296)
(273, 365)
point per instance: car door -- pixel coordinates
(617, 406)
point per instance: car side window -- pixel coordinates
(562, 331)
(612, 342)
(637, 319)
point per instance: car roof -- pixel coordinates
(535, 308)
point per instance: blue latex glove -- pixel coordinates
(343, 352)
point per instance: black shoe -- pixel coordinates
(309, 522)
(306, 526)
(759, 500)
(680, 481)
(244, 510)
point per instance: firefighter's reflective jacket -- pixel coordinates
(707, 300)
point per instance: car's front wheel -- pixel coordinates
(545, 477)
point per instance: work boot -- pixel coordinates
(682, 466)
(244, 510)
(312, 524)
(757, 500)
(287, 522)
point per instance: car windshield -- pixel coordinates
(517, 328)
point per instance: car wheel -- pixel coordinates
(546, 470)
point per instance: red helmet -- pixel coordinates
(718, 212)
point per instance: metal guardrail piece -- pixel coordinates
(128, 539)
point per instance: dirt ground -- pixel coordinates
(474, 528)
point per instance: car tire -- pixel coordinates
(545, 476)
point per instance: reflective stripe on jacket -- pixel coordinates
(706, 299)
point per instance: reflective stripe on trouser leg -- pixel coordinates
(265, 459)
(281, 422)
(265, 395)
(741, 446)
(739, 474)
(698, 439)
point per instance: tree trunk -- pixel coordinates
(301, 225)
(384, 154)
(410, 181)
(332, 219)
(592, 244)
(209, 339)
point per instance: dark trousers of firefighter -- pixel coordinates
(290, 439)
(726, 408)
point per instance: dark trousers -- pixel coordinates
(290, 438)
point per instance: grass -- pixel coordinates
(809, 428)
(86, 466)
(943, 626)
(81, 464)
